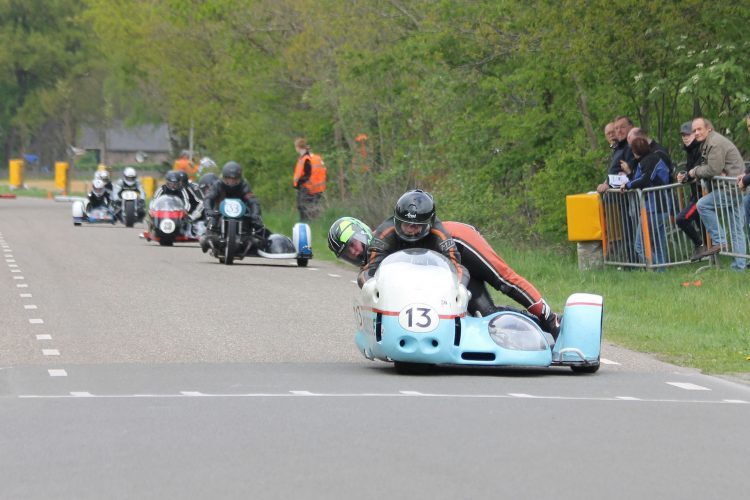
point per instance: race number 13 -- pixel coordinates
(418, 318)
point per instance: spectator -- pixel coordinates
(621, 153)
(309, 180)
(609, 133)
(185, 165)
(719, 157)
(652, 170)
(688, 219)
(743, 181)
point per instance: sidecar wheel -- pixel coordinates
(76, 223)
(590, 368)
(404, 368)
(302, 262)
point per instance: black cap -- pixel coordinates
(687, 128)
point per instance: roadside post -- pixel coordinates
(585, 214)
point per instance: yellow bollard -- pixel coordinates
(61, 175)
(149, 185)
(15, 174)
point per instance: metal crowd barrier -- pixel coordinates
(641, 231)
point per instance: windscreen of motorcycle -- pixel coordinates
(421, 279)
(167, 203)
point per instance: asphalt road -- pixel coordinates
(128, 370)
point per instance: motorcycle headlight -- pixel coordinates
(511, 331)
(167, 226)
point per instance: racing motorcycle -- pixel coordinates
(238, 238)
(169, 222)
(413, 313)
(96, 215)
(129, 208)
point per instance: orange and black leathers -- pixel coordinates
(486, 266)
(385, 241)
(310, 173)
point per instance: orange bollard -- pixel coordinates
(49, 195)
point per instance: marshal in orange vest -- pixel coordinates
(317, 181)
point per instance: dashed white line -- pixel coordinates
(738, 401)
(411, 393)
(44, 336)
(313, 269)
(628, 398)
(25, 295)
(334, 275)
(57, 372)
(302, 393)
(605, 361)
(50, 352)
(10, 260)
(36, 321)
(15, 270)
(688, 386)
(18, 277)
(13, 265)
(29, 306)
(81, 394)
(521, 395)
(191, 393)
(20, 285)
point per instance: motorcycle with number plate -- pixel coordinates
(413, 313)
(238, 238)
(128, 208)
(169, 222)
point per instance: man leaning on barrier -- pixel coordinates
(743, 181)
(688, 220)
(719, 157)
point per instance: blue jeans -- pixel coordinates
(657, 233)
(708, 207)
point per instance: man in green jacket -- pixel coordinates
(719, 157)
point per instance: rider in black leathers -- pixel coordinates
(232, 185)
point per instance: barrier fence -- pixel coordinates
(659, 227)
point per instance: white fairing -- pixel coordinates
(412, 273)
(129, 195)
(301, 236)
(78, 208)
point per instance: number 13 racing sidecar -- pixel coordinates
(413, 313)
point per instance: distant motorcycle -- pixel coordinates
(169, 222)
(238, 238)
(129, 208)
(97, 215)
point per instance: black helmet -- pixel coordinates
(206, 181)
(183, 178)
(414, 209)
(173, 182)
(231, 174)
(343, 234)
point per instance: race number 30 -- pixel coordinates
(419, 318)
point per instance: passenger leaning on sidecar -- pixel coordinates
(349, 239)
(232, 185)
(99, 196)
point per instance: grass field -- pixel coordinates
(704, 325)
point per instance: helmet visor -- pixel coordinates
(411, 231)
(231, 181)
(173, 185)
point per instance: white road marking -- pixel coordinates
(306, 394)
(334, 275)
(50, 352)
(15, 270)
(313, 269)
(36, 321)
(689, 387)
(25, 295)
(628, 398)
(29, 306)
(738, 401)
(21, 285)
(81, 394)
(354, 281)
(412, 393)
(9, 260)
(57, 372)
(520, 395)
(13, 265)
(605, 361)
(18, 277)
(44, 336)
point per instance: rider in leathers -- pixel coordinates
(232, 185)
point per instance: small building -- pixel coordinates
(122, 145)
